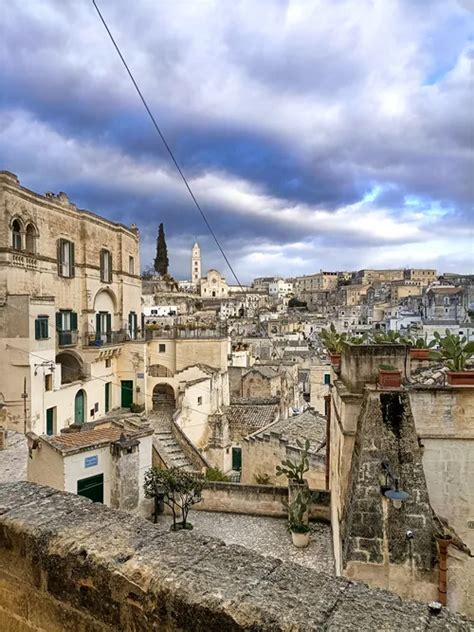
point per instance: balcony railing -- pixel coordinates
(67, 338)
(102, 339)
(187, 333)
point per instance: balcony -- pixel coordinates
(67, 338)
(107, 338)
(186, 333)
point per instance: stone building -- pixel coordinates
(214, 285)
(417, 439)
(70, 299)
(266, 448)
(444, 303)
(105, 462)
(196, 265)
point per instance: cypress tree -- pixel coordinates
(161, 260)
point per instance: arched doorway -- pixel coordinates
(71, 367)
(163, 397)
(80, 407)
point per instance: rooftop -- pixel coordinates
(307, 425)
(245, 418)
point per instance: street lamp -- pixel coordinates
(390, 489)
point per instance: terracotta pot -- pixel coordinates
(300, 540)
(419, 354)
(335, 360)
(461, 378)
(390, 379)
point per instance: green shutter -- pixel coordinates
(71, 254)
(45, 327)
(73, 321)
(37, 329)
(109, 323)
(60, 267)
(97, 325)
(59, 321)
(102, 266)
(109, 255)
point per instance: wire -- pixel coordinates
(176, 164)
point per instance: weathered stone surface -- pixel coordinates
(66, 563)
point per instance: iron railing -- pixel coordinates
(67, 338)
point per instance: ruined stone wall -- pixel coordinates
(360, 363)
(69, 564)
(373, 530)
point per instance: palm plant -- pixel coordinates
(453, 350)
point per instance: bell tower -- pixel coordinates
(196, 264)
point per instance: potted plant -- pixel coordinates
(454, 352)
(389, 376)
(333, 341)
(298, 519)
(420, 348)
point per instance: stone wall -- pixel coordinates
(257, 500)
(360, 363)
(69, 564)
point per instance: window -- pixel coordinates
(42, 328)
(105, 266)
(66, 320)
(30, 238)
(48, 382)
(108, 363)
(65, 258)
(327, 378)
(132, 325)
(103, 326)
(161, 348)
(16, 235)
(199, 401)
(131, 265)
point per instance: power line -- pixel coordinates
(176, 164)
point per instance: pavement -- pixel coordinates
(267, 536)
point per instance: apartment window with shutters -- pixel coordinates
(66, 326)
(132, 325)
(131, 265)
(42, 328)
(65, 258)
(105, 266)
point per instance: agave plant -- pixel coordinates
(333, 341)
(453, 350)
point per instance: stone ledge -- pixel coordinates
(127, 574)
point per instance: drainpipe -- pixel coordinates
(327, 407)
(443, 543)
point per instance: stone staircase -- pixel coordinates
(164, 442)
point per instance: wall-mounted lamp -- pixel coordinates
(390, 489)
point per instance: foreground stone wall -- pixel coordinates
(69, 564)
(257, 500)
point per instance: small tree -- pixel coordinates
(295, 471)
(161, 260)
(180, 490)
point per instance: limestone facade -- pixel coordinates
(214, 285)
(70, 297)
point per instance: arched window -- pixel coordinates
(16, 235)
(30, 238)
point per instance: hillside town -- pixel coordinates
(339, 403)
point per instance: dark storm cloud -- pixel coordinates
(314, 135)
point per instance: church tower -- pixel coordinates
(196, 265)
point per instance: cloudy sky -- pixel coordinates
(315, 133)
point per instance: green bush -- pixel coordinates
(215, 474)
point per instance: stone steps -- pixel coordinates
(164, 442)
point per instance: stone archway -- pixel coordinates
(163, 397)
(72, 367)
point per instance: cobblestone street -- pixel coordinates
(267, 536)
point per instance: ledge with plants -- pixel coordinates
(454, 351)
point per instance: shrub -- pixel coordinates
(262, 479)
(215, 474)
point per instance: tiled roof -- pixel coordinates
(445, 290)
(307, 425)
(247, 418)
(86, 438)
